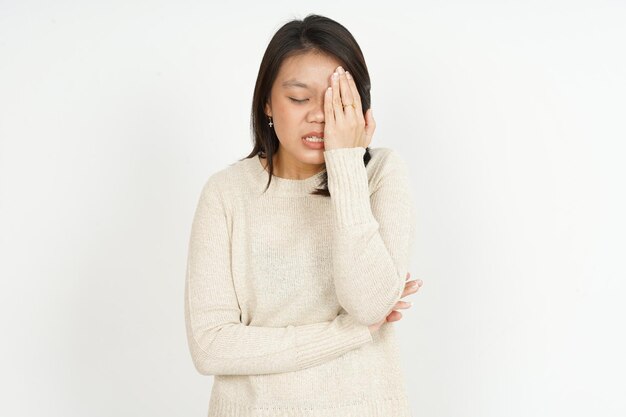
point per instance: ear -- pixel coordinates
(268, 109)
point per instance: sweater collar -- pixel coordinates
(282, 186)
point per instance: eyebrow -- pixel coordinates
(294, 83)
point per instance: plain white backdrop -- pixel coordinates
(509, 114)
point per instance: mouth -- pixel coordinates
(314, 137)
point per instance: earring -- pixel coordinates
(270, 123)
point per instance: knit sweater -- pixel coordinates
(282, 285)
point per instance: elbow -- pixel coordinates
(203, 363)
(206, 363)
(203, 367)
(368, 314)
(200, 348)
(368, 309)
(366, 318)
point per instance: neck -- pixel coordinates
(290, 168)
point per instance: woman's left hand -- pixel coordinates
(345, 126)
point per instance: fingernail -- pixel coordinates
(348, 76)
(335, 75)
(340, 70)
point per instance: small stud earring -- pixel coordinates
(270, 123)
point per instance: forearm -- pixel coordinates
(220, 345)
(372, 235)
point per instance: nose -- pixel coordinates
(316, 114)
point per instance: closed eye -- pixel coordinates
(298, 101)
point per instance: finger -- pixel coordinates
(370, 126)
(417, 282)
(409, 291)
(394, 316)
(408, 275)
(410, 288)
(402, 305)
(329, 113)
(337, 106)
(356, 97)
(414, 283)
(346, 92)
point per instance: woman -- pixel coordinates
(291, 289)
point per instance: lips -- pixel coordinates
(316, 134)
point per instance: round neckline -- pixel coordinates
(280, 185)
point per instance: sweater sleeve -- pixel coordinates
(373, 234)
(219, 343)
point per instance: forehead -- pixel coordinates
(310, 69)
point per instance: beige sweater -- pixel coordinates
(281, 287)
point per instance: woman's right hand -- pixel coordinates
(410, 287)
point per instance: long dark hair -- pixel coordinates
(314, 33)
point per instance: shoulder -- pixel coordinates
(225, 181)
(385, 162)
(385, 156)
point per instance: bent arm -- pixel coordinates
(373, 234)
(218, 342)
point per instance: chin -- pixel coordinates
(312, 156)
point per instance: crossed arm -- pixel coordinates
(370, 254)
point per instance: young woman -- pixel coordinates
(298, 253)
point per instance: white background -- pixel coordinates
(510, 115)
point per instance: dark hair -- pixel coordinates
(313, 34)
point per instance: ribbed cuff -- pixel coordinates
(315, 346)
(348, 186)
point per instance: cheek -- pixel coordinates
(288, 125)
(288, 115)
